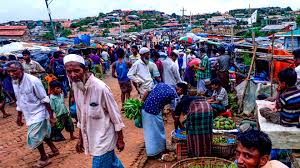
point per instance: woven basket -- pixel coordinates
(202, 162)
(226, 151)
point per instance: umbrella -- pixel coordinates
(187, 39)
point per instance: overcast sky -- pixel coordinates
(36, 9)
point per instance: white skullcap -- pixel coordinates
(144, 50)
(74, 58)
(176, 52)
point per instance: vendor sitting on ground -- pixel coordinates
(219, 99)
(288, 100)
(253, 151)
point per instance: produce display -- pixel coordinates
(132, 109)
(220, 140)
(233, 102)
(224, 123)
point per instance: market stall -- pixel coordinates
(282, 137)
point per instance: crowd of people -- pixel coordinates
(161, 77)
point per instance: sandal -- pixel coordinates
(51, 155)
(41, 163)
(6, 115)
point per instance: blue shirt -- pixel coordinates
(122, 71)
(160, 96)
(180, 62)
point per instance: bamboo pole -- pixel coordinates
(292, 39)
(249, 74)
(272, 66)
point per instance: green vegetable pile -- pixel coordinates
(132, 109)
(224, 123)
(233, 102)
(220, 140)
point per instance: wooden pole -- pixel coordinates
(249, 74)
(272, 65)
(292, 39)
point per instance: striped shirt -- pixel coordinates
(290, 100)
(222, 96)
(290, 106)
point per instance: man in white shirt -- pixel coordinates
(33, 103)
(171, 74)
(99, 119)
(139, 73)
(296, 54)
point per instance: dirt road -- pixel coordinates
(14, 153)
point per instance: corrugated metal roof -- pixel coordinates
(12, 32)
(13, 27)
(171, 25)
(289, 34)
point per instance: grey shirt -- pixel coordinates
(224, 62)
(221, 95)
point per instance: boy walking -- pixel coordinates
(63, 118)
(2, 103)
(121, 67)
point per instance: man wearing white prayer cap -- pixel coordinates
(139, 73)
(99, 119)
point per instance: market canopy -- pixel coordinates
(186, 39)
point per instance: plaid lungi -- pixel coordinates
(199, 125)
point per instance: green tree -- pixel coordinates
(106, 24)
(298, 20)
(66, 33)
(82, 22)
(105, 32)
(101, 15)
(82, 29)
(174, 15)
(48, 36)
(288, 9)
(133, 29)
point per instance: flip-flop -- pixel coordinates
(41, 163)
(7, 115)
(51, 155)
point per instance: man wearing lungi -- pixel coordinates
(99, 119)
(199, 125)
(153, 124)
(33, 103)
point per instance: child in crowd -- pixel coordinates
(288, 101)
(49, 78)
(2, 103)
(63, 118)
(219, 99)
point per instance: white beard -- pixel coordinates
(16, 81)
(80, 85)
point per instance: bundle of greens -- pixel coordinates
(132, 109)
(233, 102)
